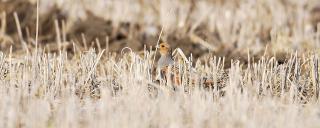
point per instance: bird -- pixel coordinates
(168, 70)
(166, 58)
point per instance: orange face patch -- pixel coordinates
(164, 48)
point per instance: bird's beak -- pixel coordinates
(157, 46)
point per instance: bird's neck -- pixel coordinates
(166, 55)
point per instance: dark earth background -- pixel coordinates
(124, 34)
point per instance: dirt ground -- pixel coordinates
(124, 34)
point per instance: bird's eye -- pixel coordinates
(162, 46)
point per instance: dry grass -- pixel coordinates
(49, 90)
(78, 86)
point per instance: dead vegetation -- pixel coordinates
(93, 88)
(95, 63)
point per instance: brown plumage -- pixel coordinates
(168, 69)
(166, 64)
(166, 58)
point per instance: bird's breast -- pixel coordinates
(165, 61)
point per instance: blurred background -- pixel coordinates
(231, 28)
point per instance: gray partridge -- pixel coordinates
(170, 72)
(166, 65)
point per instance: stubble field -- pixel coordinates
(93, 63)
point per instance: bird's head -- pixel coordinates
(164, 49)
